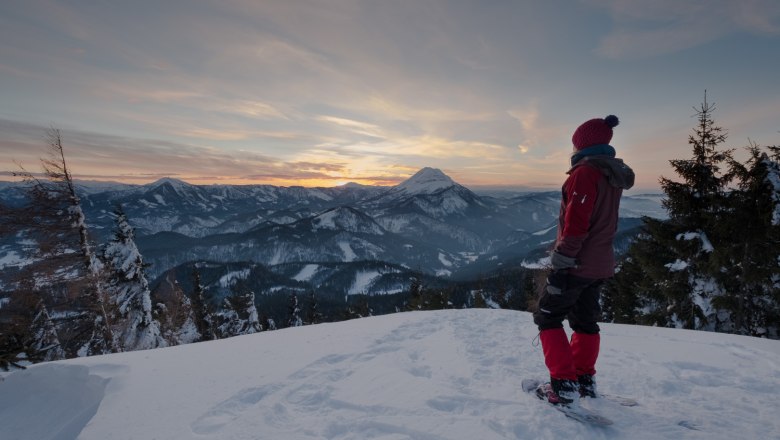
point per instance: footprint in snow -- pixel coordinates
(230, 409)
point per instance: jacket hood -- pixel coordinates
(618, 174)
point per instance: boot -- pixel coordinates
(559, 392)
(587, 385)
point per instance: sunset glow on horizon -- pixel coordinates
(311, 93)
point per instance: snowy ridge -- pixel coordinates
(451, 374)
(346, 219)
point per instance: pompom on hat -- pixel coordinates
(594, 132)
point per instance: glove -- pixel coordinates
(556, 282)
(560, 261)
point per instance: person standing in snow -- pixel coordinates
(582, 259)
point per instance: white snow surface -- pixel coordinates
(452, 374)
(363, 281)
(307, 272)
(443, 260)
(542, 263)
(545, 231)
(677, 265)
(706, 245)
(349, 254)
(12, 258)
(230, 278)
(443, 273)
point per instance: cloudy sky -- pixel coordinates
(322, 92)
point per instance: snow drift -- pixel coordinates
(452, 374)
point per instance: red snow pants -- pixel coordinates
(578, 301)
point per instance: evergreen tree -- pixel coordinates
(13, 352)
(68, 273)
(27, 333)
(696, 207)
(360, 307)
(174, 311)
(203, 312)
(678, 257)
(415, 293)
(240, 315)
(294, 319)
(652, 285)
(313, 315)
(530, 290)
(45, 345)
(700, 197)
(503, 293)
(478, 299)
(618, 298)
(751, 265)
(534, 281)
(126, 284)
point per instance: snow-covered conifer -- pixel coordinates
(415, 301)
(27, 333)
(45, 342)
(294, 319)
(751, 262)
(678, 256)
(240, 315)
(709, 266)
(127, 286)
(202, 310)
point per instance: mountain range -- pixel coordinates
(428, 223)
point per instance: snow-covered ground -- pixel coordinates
(307, 272)
(451, 374)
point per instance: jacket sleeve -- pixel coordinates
(581, 190)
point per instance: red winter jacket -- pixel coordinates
(589, 214)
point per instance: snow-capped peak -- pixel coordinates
(426, 181)
(175, 183)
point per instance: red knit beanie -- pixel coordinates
(594, 132)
